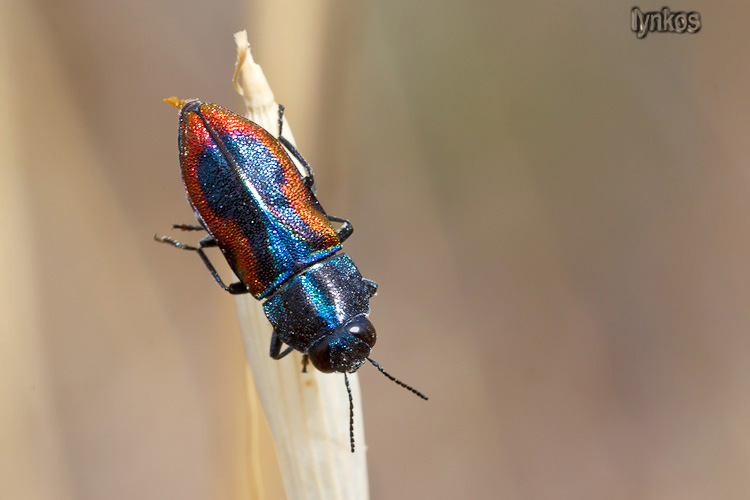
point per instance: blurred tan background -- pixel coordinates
(556, 213)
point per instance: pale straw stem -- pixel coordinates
(308, 413)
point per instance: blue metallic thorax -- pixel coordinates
(321, 299)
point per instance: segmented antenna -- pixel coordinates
(394, 379)
(351, 411)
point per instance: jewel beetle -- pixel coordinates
(264, 216)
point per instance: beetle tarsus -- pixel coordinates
(171, 241)
(281, 118)
(207, 242)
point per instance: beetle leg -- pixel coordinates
(309, 179)
(281, 119)
(372, 287)
(345, 230)
(276, 347)
(305, 360)
(174, 243)
(207, 242)
(188, 227)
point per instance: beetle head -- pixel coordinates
(346, 348)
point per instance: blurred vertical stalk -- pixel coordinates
(32, 458)
(308, 413)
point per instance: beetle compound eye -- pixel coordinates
(320, 356)
(363, 329)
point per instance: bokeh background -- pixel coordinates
(556, 213)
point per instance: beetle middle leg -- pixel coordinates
(345, 230)
(276, 344)
(207, 242)
(309, 178)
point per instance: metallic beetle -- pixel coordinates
(262, 213)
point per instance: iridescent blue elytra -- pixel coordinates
(263, 215)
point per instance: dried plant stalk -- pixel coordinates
(308, 413)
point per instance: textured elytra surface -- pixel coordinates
(250, 196)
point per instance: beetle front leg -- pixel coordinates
(372, 287)
(207, 242)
